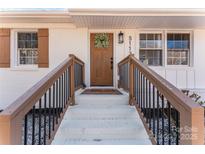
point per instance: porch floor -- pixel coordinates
(101, 119)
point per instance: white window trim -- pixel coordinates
(154, 31)
(14, 55)
(164, 46)
(190, 58)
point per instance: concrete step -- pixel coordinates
(85, 141)
(101, 133)
(101, 119)
(131, 123)
(102, 111)
(102, 99)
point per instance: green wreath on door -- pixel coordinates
(101, 40)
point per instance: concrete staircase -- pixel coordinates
(101, 119)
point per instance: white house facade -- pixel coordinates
(121, 73)
(69, 32)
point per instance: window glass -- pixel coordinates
(151, 48)
(27, 48)
(178, 48)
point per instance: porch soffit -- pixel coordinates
(112, 18)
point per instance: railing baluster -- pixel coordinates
(157, 117)
(53, 111)
(169, 122)
(134, 82)
(162, 119)
(33, 125)
(57, 102)
(63, 82)
(153, 103)
(147, 108)
(44, 134)
(62, 90)
(177, 127)
(60, 96)
(138, 87)
(66, 86)
(150, 118)
(143, 94)
(49, 115)
(39, 120)
(141, 91)
(25, 129)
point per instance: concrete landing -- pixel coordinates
(101, 119)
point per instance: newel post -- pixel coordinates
(72, 80)
(131, 81)
(10, 130)
(192, 127)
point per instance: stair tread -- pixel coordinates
(101, 120)
(104, 141)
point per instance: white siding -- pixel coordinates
(62, 42)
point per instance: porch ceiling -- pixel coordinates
(138, 18)
(117, 22)
(112, 18)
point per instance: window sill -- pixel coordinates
(175, 67)
(25, 68)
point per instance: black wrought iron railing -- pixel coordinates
(78, 75)
(35, 117)
(162, 118)
(41, 120)
(169, 116)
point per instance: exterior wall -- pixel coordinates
(65, 39)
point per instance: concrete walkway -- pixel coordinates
(101, 119)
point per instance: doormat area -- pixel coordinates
(96, 91)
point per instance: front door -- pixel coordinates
(101, 59)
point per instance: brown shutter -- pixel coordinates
(4, 47)
(43, 55)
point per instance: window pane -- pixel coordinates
(150, 40)
(185, 41)
(151, 57)
(142, 44)
(27, 48)
(169, 61)
(158, 41)
(178, 43)
(179, 57)
(28, 36)
(170, 37)
(150, 36)
(178, 37)
(170, 41)
(184, 61)
(158, 37)
(142, 36)
(34, 36)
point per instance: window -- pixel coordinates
(178, 48)
(27, 48)
(151, 49)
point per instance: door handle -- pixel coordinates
(111, 62)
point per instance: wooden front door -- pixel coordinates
(101, 59)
